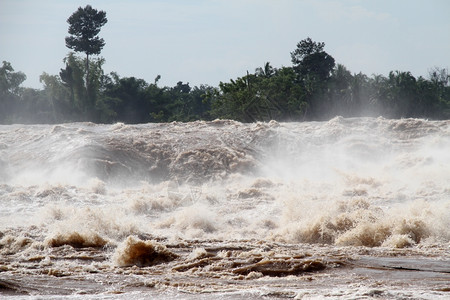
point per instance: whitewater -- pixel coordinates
(354, 208)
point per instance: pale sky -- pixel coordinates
(208, 41)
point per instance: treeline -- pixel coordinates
(313, 88)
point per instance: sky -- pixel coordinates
(209, 41)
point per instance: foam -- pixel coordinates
(87, 224)
(360, 223)
(76, 240)
(10, 244)
(196, 219)
(362, 181)
(228, 203)
(134, 251)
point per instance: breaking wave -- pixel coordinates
(346, 182)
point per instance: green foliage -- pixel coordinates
(133, 103)
(268, 94)
(311, 62)
(57, 95)
(68, 94)
(313, 67)
(10, 82)
(34, 107)
(84, 26)
(72, 78)
(313, 88)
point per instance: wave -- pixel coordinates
(347, 182)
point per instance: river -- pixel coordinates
(345, 209)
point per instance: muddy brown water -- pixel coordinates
(345, 209)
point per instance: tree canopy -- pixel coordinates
(84, 26)
(313, 88)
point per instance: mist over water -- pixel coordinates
(225, 201)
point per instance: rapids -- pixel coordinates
(355, 208)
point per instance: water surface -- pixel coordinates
(350, 208)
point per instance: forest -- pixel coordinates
(314, 87)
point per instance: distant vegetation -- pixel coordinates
(313, 88)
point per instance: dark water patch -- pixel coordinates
(9, 288)
(134, 251)
(76, 240)
(281, 268)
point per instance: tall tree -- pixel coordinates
(84, 26)
(309, 58)
(313, 67)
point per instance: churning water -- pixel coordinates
(350, 208)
